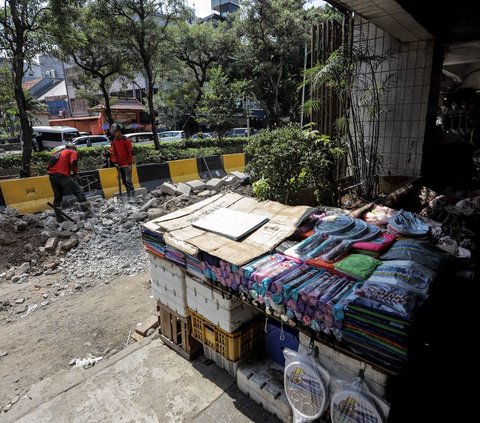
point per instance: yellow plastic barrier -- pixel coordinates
(28, 195)
(183, 170)
(234, 162)
(109, 181)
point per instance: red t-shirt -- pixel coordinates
(121, 150)
(66, 163)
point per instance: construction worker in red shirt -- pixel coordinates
(122, 157)
(61, 165)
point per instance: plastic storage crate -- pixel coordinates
(229, 314)
(175, 332)
(230, 366)
(262, 381)
(232, 346)
(168, 284)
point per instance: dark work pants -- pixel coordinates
(61, 184)
(126, 175)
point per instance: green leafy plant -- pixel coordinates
(289, 159)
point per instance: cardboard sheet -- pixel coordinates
(232, 224)
(179, 232)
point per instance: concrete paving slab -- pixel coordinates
(147, 382)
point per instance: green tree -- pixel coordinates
(219, 102)
(141, 26)
(273, 34)
(83, 36)
(199, 47)
(22, 37)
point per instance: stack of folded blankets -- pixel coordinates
(377, 315)
(195, 265)
(153, 242)
(175, 256)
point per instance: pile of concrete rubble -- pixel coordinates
(100, 247)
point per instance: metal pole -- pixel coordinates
(247, 108)
(303, 86)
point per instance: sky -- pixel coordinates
(203, 6)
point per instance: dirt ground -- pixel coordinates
(96, 321)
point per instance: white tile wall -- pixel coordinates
(402, 124)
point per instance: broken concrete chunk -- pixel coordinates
(153, 213)
(24, 268)
(153, 202)
(240, 175)
(64, 234)
(230, 180)
(51, 244)
(69, 226)
(215, 184)
(137, 217)
(20, 225)
(19, 300)
(69, 244)
(140, 191)
(206, 193)
(183, 189)
(150, 323)
(157, 193)
(196, 185)
(168, 188)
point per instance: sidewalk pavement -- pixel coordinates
(147, 382)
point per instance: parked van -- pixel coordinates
(54, 136)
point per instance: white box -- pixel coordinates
(262, 381)
(168, 284)
(228, 314)
(230, 366)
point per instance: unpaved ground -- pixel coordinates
(94, 321)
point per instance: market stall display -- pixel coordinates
(349, 283)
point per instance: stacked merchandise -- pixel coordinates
(348, 278)
(195, 266)
(153, 241)
(378, 315)
(175, 256)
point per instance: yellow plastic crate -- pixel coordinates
(232, 346)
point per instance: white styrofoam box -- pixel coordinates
(229, 314)
(230, 366)
(262, 381)
(341, 366)
(168, 284)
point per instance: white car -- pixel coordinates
(171, 136)
(141, 137)
(91, 141)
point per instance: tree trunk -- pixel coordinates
(106, 97)
(27, 132)
(151, 107)
(187, 125)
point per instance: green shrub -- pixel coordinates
(287, 160)
(90, 158)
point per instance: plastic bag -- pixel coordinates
(306, 386)
(352, 402)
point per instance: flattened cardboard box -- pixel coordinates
(179, 232)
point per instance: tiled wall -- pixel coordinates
(404, 103)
